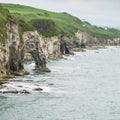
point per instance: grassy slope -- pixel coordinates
(4, 17)
(63, 22)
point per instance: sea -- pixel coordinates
(84, 86)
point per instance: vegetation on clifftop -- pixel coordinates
(52, 23)
(4, 17)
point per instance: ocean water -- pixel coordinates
(85, 86)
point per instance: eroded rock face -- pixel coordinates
(86, 39)
(40, 48)
(66, 45)
(33, 45)
(116, 41)
(16, 51)
(51, 46)
(64, 48)
(12, 53)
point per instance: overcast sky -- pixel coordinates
(97, 12)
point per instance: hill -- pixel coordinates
(53, 23)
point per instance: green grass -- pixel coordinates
(3, 20)
(5, 17)
(56, 22)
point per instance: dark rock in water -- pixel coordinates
(24, 92)
(15, 92)
(38, 89)
(50, 84)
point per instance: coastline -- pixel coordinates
(5, 90)
(25, 41)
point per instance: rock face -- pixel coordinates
(16, 51)
(48, 46)
(51, 46)
(116, 41)
(64, 49)
(12, 54)
(33, 45)
(86, 39)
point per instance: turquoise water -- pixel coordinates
(85, 86)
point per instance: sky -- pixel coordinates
(97, 12)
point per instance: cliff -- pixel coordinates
(24, 38)
(86, 39)
(13, 48)
(11, 51)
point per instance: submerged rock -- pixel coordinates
(15, 92)
(12, 91)
(37, 89)
(24, 92)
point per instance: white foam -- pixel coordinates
(23, 86)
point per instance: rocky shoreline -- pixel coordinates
(21, 90)
(19, 42)
(33, 46)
